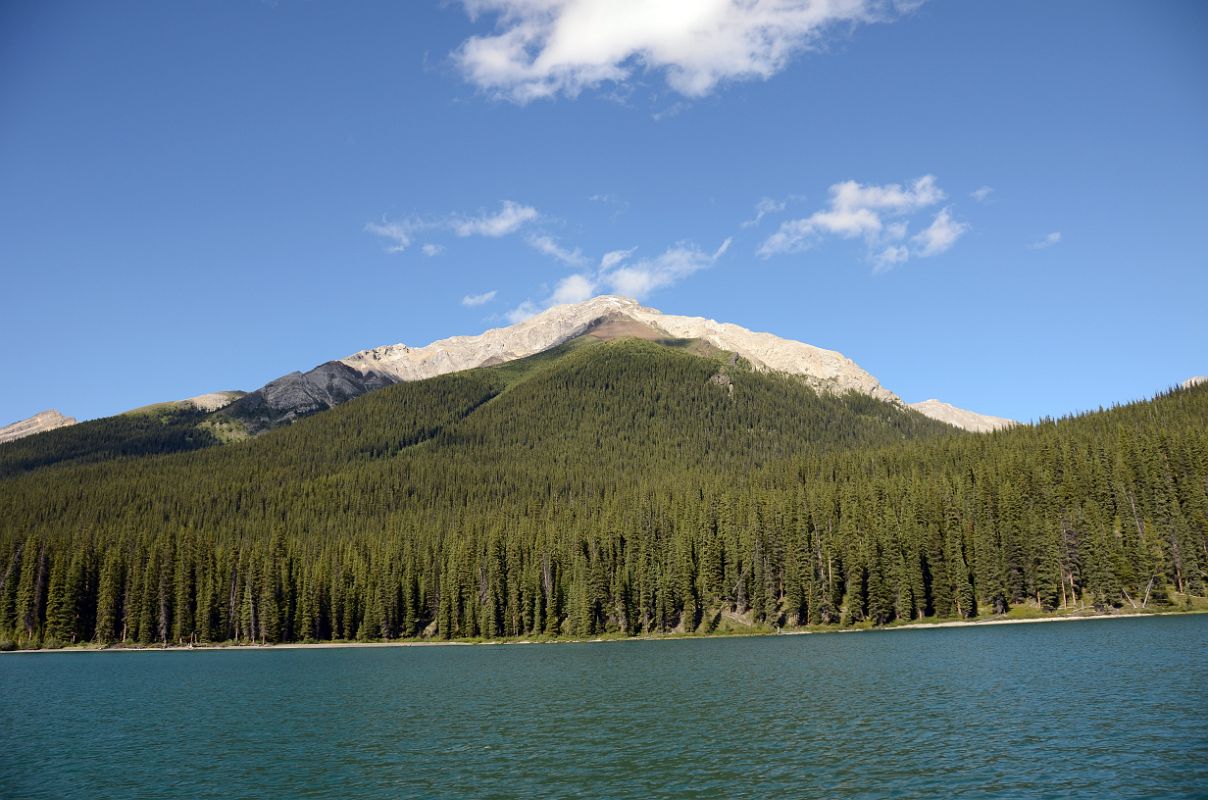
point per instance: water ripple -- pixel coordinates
(1099, 709)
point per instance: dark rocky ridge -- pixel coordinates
(299, 394)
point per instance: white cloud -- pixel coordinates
(940, 235)
(889, 258)
(547, 245)
(614, 257)
(764, 207)
(639, 279)
(572, 289)
(543, 48)
(855, 210)
(510, 217)
(1048, 241)
(895, 231)
(522, 312)
(473, 300)
(635, 280)
(981, 194)
(397, 232)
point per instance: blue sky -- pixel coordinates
(201, 196)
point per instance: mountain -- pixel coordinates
(163, 428)
(617, 483)
(960, 418)
(1194, 380)
(38, 423)
(210, 401)
(185, 425)
(334, 382)
(299, 394)
(824, 369)
(52, 420)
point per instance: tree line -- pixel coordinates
(613, 488)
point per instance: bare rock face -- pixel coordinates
(603, 317)
(960, 418)
(1195, 380)
(300, 393)
(38, 423)
(826, 370)
(212, 401)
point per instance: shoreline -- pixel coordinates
(219, 647)
(965, 623)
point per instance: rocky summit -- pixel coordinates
(968, 420)
(38, 423)
(331, 383)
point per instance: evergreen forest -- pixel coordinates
(614, 488)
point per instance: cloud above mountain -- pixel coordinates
(878, 214)
(618, 275)
(474, 300)
(508, 219)
(549, 246)
(400, 233)
(547, 48)
(940, 235)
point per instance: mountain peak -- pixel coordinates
(961, 418)
(42, 421)
(605, 317)
(825, 370)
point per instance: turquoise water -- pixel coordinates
(1103, 709)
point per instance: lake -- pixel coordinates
(1104, 708)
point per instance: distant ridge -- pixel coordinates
(299, 394)
(47, 420)
(961, 418)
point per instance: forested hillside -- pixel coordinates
(153, 431)
(623, 487)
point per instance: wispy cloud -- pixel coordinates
(1048, 241)
(940, 235)
(618, 276)
(475, 300)
(619, 205)
(890, 257)
(981, 194)
(398, 233)
(614, 257)
(548, 246)
(510, 217)
(522, 312)
(572, 289)
(641, 278)
(855, 210)
(763, 208)
(878, 214)
(546, 48)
